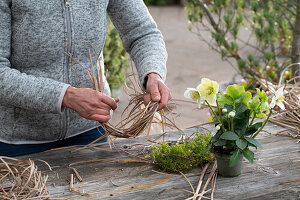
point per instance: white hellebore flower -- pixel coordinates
(224, 110)
(231, 114)
(194, 94)
(278, 99)
(218, 127)
(208, 90)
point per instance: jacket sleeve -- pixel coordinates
(140, 36)
(20, 89)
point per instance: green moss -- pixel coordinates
(183, 157)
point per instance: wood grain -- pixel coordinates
(275, 173)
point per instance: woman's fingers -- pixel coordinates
(89, 103)
(157, 91)
(99, 115)
(109, 101)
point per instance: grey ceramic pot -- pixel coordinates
(223, 165)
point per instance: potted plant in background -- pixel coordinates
(234, 113)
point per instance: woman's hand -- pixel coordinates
(157, 90)
(89, 103)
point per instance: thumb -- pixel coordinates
(116, 100)
(154, 93)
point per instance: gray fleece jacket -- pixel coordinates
(35, 70)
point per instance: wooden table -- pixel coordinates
(275, 173)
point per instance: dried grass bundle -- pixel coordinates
(290, 117)
(138, 119)
(20, 179)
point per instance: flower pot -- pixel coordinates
(223, 165)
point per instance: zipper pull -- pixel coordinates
(67, 3)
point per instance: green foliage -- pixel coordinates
(270, 25)
(183, 157)
(248, 154)
(115, 58)
(237, 133)
(238, 93)
(229, 136)
(235, 157)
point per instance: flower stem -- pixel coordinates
(254, 115)
(215, 114)
(252, 119)
(232, 129)
(263, 124)
(220, 114)
(229, 124)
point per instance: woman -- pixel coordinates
(44, 101)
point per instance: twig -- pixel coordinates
(201, 180)
(77, 174)
(209, 178)
(71, 182)
(188, 181)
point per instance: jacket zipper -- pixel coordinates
(69, 40)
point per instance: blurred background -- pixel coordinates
(223, 40)
(189, 60)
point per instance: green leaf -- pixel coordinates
(242, 64)
(247, 97)
(207, 149)
(216, 136)
(230, 144)
(239, 110)
(255, 142)
(248, 154)
(225, 99)
(261, 115)
(229, 136)
(234, 158)
(241, 122)
(232, 91)
(252, 129)
(262, 95)
(250, 58)
(257, 125)
(234, 47)
(241, 143)
(220, 143)
(228, 107)
(239, 99)
(265, 107)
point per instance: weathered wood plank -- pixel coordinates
(276, 163)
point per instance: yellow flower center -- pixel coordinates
(280, 99)
(195, 95)
(210, 91)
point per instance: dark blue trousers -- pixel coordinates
(85, 138)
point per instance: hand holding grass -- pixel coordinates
(158, 91)
(89, 103)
